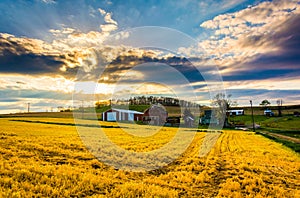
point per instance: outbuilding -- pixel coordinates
(236, 112)
(113, 115)
(268, 112)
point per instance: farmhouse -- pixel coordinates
(236, 112)
(121, 115)
(155, 115)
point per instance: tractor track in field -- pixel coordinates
(218, 162)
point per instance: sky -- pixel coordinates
(57, 53)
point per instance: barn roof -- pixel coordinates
(158, 106)
(126, 111)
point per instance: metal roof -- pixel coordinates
(127, 111)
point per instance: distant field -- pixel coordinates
(286, 123)
(258, 110)
(40, 114)
(172, 111)
(42, 160)
(282, 128)
(289, 123)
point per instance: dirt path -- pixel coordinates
(280, 136)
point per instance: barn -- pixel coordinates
(155, 115)
(113, 115)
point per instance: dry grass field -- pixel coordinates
(50, 160)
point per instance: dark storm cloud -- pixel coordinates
(122, 64)
(292, 33)
(28, 63)
(261, 74)
(284, 62)
(289, 52)
(15, 57)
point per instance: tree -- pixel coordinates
(102, 103)
(264, 103)
(188, 118)
(223, 103)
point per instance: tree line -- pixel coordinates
(147, 100)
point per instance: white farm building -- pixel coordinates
(236, 112)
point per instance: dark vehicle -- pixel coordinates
(173, 121)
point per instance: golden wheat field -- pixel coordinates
(50, 160)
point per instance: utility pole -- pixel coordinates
(279, 103)
(28, 107)
(252, 116)
(82, 110)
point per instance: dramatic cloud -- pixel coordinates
(108, 27)
(111, 25)
(22, 55)
(243, 36)
(49, 1)
(255, 48)
(102, 12)
(69, 50)
(62, 31)
(108, 19)
(122, 64)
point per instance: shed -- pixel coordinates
(112, 115)
(236, 112)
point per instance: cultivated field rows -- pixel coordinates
(39, 159)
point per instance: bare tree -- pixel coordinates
(222, 103)
(188, 118)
